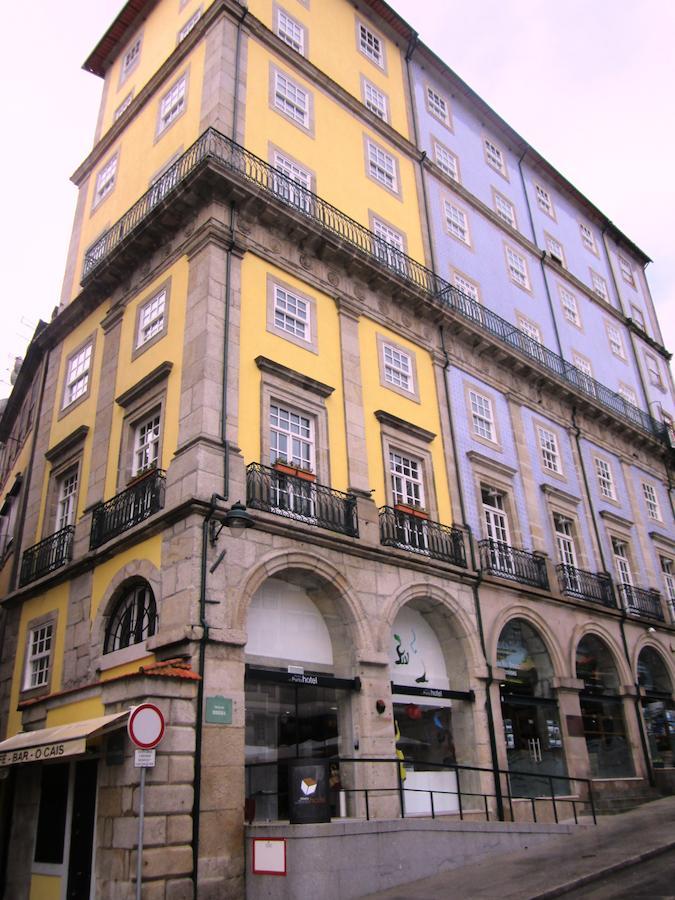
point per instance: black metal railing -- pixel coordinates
(497, 558)
(641, 602)
(409, 531)
(298, 497)
(248, 169)
(126, 509)
(545, 796)
(584, 585)
(46, 556)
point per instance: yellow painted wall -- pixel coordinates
(127, 668)
(332, 47)
(131, 371)
(160, 35)
(76, 712)
(424, 414)
(45, 887)
(324, 366)
(352, 191)
(54, 599)
(103, 574)
(142, 154)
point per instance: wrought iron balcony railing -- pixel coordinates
(249, 170)
(408, 531)
(296, 497)
(497, 558)
(584, 585)
(641, 602)
(46, 556)
(126, 509)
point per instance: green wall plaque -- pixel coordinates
(219, 710)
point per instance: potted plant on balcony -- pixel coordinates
(284, 467)
(416, 511)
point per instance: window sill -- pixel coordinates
(121, 657)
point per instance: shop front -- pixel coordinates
(658, 707)
(532, 734)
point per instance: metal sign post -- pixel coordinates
(146, 730)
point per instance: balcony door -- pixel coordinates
(497, 529)
(567, 553)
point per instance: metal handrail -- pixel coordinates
(642, 601)
(47, 555)
(301, 498)
(216, 148)
(497, 558)
(128, 508)
(583, 585)
(421, 535)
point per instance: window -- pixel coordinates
(397, 367)
(605, 479)
(7, 525)
(105, 181)
(587, 238)
(38, 661)
(638, 317)
(146, 444)
(564, 537)
(544, 201)
(285, 188)
(494, 156)
(621, 561)
(405, 472)
(496, 526)
(77, 375)
(130, 58)
(626, 271)
(599, 285)
(189, 25)
(371, 45)
(466, 286)
(172, 104)
(291, 100)
(446, 161)
(66, 500)
(382, 166)
(653, 371)
(291, 313)
(504, 208)
(457, 223)
(290, 31)
(585, 378)
(669, 581)
(124, 105)
(555, 249)
(569, 306)
(374, 100)
(291, 437)
(438, 106)
(531, 329)
(517, 268)
(548, 446)
(151, 318)
(583, 364)
(615, 340)
(481, 416)
(133, 619)
(388, 242)
(651, 501)
(628, 394)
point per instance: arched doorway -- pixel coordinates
(529, 712)
(658, 707)
(609, 751)
(296, 706)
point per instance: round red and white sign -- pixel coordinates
(146, 726)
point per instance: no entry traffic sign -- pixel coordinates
(146, 726)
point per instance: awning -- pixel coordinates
(58, 742)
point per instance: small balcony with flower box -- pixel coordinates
(410, 528)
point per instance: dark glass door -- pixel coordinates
(533, 747)
(82, 831)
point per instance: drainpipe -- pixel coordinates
(541, 259)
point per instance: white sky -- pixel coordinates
(588, 83)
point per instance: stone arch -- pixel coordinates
(135, 570)
(647, 641)
(536, 621)
(597, 629)
(328, 588)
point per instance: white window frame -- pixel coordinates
(669, 581)
(292, 313)
(131, 58)
(172, 105)
(66, 500)
(583, 364)
(78, 370)
(457, 223)
(565, 543)
(189, 25)
(375, 100)
(638, 317)
(626, 270)
(295, 174)
(615, 340)
(530, 328)
(653, 371)
(39, 656)
(147, 443)
(466, 286)
(482, 416)
(397, 368)
(106, 180)
(555, 249)
(406, 476)
(599, 285)
(549, 452)
(124, 105)
(620, 552)
(544, 200)
(588, 238)
(388, 241)
(605, 476)
(290, 31)
(291, 99)
(516, 266)
(446, 161)
(151, 318)
(651, 501)
(504, 208)
(494, 156)
(570, 306)
(438, 106)
(382, 166)
(371, 45)
(628, 393)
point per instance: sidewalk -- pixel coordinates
(563, 864)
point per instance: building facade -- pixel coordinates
(312, 273)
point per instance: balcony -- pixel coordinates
(298, 496)
(126, 509)
(410, 531)
(582, 585)
(641, 602)
(50, 554)
(216, 158)
(509, 562)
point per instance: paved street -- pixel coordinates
(653, 879)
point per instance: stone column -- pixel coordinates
(629, 693)
(359, 480)
(572, 728)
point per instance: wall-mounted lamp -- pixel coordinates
(380, 706)
(651, 630)
(237, 519)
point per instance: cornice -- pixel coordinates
(559, 494)
(69, 442)
(296, 378)
(615, 519)
(158, 374)
(490, 462)
(409, 428)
